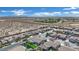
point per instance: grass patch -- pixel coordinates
(30, 45)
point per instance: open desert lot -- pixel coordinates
(9, 27)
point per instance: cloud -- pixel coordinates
(70, 8)
(17, 12)
(46, 14)
(75, 12)
(3, 11)
(66, 12)
(71, 13)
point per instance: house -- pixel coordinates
(74, 39)
(76, 29)
(52, 38)
(66, 48)
(62, 36)
(22, 35)
(4, 41)
(67, 44)
(36, 39)
(19, 36)
(9, 38)
(54, 45)
(46, 45)
(68, 28)
(53, 35)
(34, 32)
(15, 48)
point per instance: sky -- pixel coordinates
(39, 11)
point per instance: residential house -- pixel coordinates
(74, 39)
(54, 45)
(62, 36)
(66, 48)
(36, 39)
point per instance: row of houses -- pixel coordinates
(46, 45)
(12, 39)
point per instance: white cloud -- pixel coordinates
(46, 13)
(3, 11)
(71, 13)
(17, 12)
(70, 8)
(56, 13)
(66, 12)
(75, 12)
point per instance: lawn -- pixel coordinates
(30, 45)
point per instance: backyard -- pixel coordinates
(30, 45)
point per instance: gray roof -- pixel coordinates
(36, 39)
(62, 35)
(73, 37)
(17, 48)
(48, 44)
(3, 41)
(56, 44)
(43, 46)
(66, 48)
